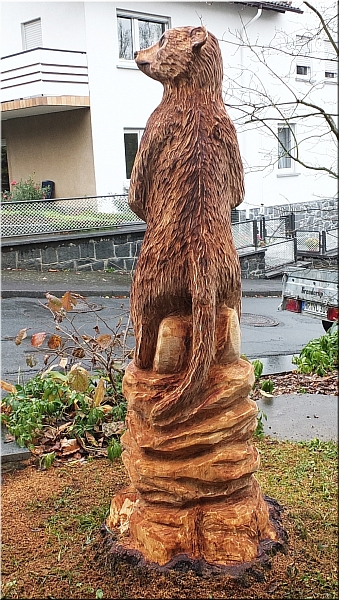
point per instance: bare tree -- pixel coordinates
(267, 92)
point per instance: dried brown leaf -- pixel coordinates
(54, 342)
(99, 392)
(38, 339)
(54, 303)
(78, 379)
(104, 340)
(78, 352)
(31, 361)
(21, 336)
(91, 439)
(8, 387)
(68, 301)
(69, 446)
(63, 362)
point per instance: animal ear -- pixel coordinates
(198, 37)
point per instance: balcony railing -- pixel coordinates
(44, 72)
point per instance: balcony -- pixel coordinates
(43, 80)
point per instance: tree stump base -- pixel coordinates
(193, 498)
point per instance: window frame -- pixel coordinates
(130, 130)
(289, 170)
(135, 17)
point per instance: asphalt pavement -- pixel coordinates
(289, 416)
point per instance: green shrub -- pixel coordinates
(319, 356)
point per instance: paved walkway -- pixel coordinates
(291, 416)
(32, 284)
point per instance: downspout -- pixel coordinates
(255, 18)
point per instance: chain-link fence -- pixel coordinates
(245, 234)
(309, 241)
(331, 240)
(279, 254)
(67, 215)
(34, 217)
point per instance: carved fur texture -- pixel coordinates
(186, 178)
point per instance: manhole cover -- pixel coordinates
(257, 320)
(83, 307)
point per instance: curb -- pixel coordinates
(115, 293)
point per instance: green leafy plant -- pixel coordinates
(70, 406)
(319, 356)
(46, 460)
(114, 450)
(267, 385)
(25, 190)
(28, 408)
(259, 432)
(258, 368)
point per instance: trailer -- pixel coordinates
(312, 292)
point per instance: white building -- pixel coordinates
(74, 104)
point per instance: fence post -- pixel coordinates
(262, 227)
(323, 242)
(290, 225)
(255, 234)
(295, 248)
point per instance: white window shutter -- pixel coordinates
(32, 34)
(331, 63)
(303, 45)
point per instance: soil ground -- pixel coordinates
(51, 541)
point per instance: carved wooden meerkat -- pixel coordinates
(186, 178)
(193, 498)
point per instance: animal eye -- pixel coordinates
(161, 41)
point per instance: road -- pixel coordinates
(267, 334)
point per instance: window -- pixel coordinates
(302, 70)
(31, 34)
(286, 145)
(303, 59)
(132, 139)
(136, 32)
(331, 64)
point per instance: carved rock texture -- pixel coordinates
(193, 491)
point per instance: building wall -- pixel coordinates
(124, 97)
(53, 146)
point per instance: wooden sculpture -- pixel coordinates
(193, 497)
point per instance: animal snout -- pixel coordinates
(136, 53)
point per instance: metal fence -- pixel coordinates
(282, 243)
(317, 242)
(280, 253)
(36, 217)
(309, 241)
(331, 240)
(245, 234)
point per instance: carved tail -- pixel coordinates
(183, 402)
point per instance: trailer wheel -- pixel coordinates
(327, 325)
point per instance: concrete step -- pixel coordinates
(12, 456)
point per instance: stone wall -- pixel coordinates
(315, 215)
(89, 252)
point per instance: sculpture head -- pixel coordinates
(184, 55)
